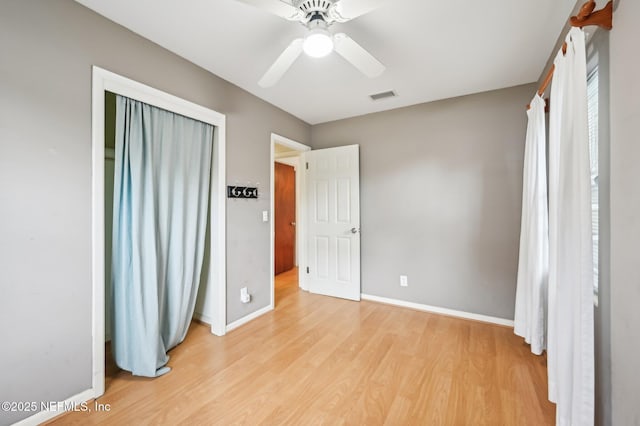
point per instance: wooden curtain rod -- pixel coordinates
(603, 18)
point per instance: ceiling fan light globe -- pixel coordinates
(318, 43)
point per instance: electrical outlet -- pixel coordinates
(265, 215)
(245, 297)
(404, 282)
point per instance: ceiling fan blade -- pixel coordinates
(351, 9)
(357, 56)
(282, 64)
(276, 7)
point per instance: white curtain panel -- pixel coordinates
(570, 346)
(533, 265)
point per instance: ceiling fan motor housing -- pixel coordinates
(314, 10)
(310, 6)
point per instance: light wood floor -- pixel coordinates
(320, 360)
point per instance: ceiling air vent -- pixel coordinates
(382, 95)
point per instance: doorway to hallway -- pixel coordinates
(287, 210)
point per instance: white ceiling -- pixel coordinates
(432, 49)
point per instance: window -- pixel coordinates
(592, 111)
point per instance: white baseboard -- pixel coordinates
(43, 416)
(439, 310)
(249, 317)
(203, 318)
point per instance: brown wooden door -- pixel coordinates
(285, 217)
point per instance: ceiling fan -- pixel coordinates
(317, 16)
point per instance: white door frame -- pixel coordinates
(104, 80)
(300, 211)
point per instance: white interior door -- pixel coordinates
(333, 225)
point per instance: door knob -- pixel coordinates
(355, 230)
(293, 224)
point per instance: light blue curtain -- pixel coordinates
(161, 199)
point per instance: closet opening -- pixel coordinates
(209, 304)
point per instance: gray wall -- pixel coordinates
(47, 49)
(625, 214)
(441, 189)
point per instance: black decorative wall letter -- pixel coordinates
(242, 192)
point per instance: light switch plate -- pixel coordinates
(265, 215)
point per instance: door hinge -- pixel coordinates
(307, 269)
(307, 165)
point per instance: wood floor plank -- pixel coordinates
(317, 360)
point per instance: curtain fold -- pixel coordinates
(570, 344)
(533, 265)
(161, 198)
